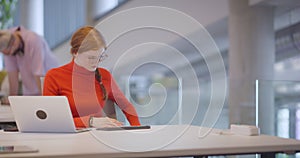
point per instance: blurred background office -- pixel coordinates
(258, 40)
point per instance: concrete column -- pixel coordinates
(251, 58)
(97, 8)
(32, 15)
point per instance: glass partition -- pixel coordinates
(285, 97)
(156, 99)
(283, 115)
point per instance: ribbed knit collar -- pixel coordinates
(79, 69)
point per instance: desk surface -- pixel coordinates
(159, 141)
(6, 114)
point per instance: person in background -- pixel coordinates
(87, 86)
(28, 54)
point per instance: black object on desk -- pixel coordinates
(11, 129)
(8, 125)
(123, 128)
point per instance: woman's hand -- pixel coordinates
(99, 122)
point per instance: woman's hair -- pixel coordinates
(99, 79)
(86, 38)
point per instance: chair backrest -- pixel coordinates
(109, 109)
(42, 83)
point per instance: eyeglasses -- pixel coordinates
(99, 58)
(103, 56)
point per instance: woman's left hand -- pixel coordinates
(100, 122)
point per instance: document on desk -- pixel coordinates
(17, 149)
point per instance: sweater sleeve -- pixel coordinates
(120, 99)
(82, 122)
(50, 87)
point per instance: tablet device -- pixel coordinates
(123, 128)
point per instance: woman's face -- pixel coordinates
(90, 59)
(13, 45)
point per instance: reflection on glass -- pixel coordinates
(283, 123)
(155, 99)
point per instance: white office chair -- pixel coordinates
(42, 83)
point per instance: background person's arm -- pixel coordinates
(13, 80)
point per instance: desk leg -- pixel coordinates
(268, 155)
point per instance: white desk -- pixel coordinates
(159, 141)
(6, 114)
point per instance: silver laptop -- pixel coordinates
(43, 114)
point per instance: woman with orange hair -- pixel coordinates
(88, 87)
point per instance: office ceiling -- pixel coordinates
(211, 14)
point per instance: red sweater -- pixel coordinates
(84, 92)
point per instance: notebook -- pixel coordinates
(43, 114)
